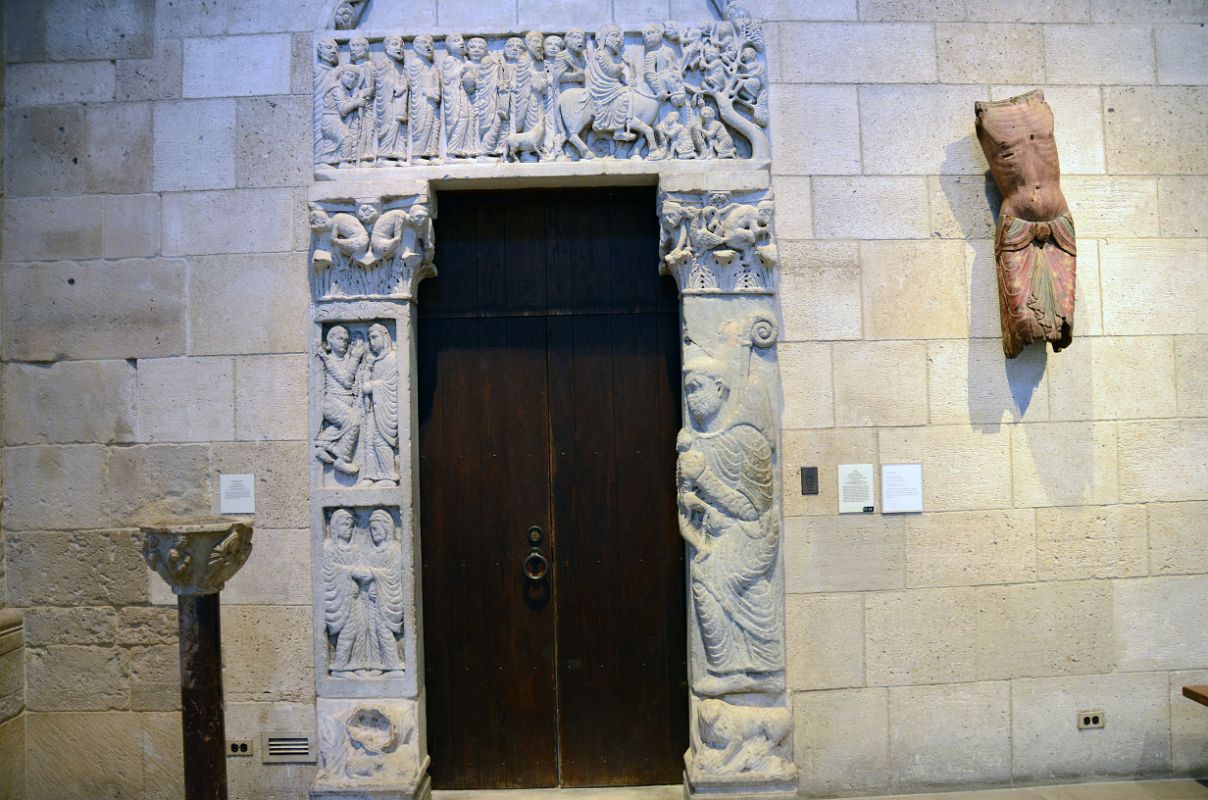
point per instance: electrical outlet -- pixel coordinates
(1091, 719)
(238, 747)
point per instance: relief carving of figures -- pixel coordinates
(424, 111)
(390, 103)
(363, 600)
(361, 140)
(1035, 247)
(729, 516)
(358, 431)
(379, 386)
(737, 742)
(459, 79)
(620, 103)
(697, 91)
(488, 95)
(712, 242)
(341, 405)
(367, 745)
(370, 253)
(329, 94)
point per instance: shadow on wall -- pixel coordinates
(1063, 459)
(995, 385)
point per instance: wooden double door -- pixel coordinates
(553, 572)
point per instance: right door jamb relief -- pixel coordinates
(720, 247)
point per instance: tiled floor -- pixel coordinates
(1146, 790)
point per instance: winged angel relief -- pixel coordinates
(728, 514)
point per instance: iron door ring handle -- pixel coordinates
(535, 566)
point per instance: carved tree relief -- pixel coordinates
(670, 91)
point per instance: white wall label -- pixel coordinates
(237, 494)
(855, 489)
(901, 488)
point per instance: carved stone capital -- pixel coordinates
(370, 248)
(197, 557)
(719, 242)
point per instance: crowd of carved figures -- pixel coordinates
(358, 437)
(712, 242)
(363, 598)
(695, 91)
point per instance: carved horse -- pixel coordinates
(576, 108)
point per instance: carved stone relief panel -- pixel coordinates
(358, 437)
(379, 247)
(364, 596)
(369, 747)
(667, 92)
(719, 241)
(728, 486)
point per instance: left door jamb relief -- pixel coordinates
(368, 252)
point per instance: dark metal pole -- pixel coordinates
(201, 697)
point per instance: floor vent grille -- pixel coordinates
(287, 747)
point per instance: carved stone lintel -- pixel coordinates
(372, 248)
(196, 558)
(667, 92)
(369, 748)
(719, 241)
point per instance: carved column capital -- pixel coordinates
(719, 242)
(370, 248)
(200, 556)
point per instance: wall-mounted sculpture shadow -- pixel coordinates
(996, 385)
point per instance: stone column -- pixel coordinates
(196, 559)
(720, 246)
(369, 250)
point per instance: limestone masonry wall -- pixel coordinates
(156, 163)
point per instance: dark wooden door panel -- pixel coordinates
(548, 364)
(484, 466)
(622, 672)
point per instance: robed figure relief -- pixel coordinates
(379, 386)
(363, 594)
(1034, 248)
(358, 436)
(728, 516)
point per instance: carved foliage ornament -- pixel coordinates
(718, 241)
(363, 596)
(670, 91)
(377, 248)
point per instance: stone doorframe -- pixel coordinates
(371, 244)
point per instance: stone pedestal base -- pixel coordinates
(422, 792)
(740, 790)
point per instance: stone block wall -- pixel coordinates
(156, 159)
